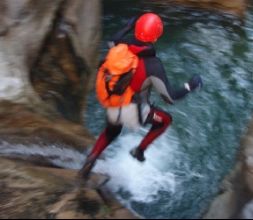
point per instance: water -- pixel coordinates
(185, 167)
(57, 154)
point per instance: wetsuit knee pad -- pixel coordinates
(159, 119)
(159, 116)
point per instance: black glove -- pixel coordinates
(194, 83)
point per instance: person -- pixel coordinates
(149, 74)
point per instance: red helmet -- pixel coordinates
(148, 28)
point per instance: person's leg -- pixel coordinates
(160, 121)
(104, 140)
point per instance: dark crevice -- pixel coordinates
(59, 75)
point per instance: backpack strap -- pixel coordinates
(119, 115)
(121, 84)
(108, 78)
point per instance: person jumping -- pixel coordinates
(124, 82)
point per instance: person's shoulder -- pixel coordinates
(142, 49)
(154, 65)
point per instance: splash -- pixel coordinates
(58, 155)
(143, 181)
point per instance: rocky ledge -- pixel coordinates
(32, 192)
(235, 7)
(32, 186)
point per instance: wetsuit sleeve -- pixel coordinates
(160, 82)
(119, 36)
(139, 48)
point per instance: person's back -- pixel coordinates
(149, 74)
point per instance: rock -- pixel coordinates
(237, 196)
(3, 19)
(25, 195)
(223, 206)
(85, 21)
(247, 212)
(48, 52)
(55, 43)
(235, 7)
(23, 123)
(29, 191)
(71, 215)
(26, 30)
(122, 214)
(68, 59)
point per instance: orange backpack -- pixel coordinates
(114, 77)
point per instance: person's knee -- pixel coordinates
(168, 120)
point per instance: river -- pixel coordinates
(184, 167)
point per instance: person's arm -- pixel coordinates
(159, 80)
(141, 49)
(119, 36)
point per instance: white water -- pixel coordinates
(56, 154)
(185, 166)
(145, 180)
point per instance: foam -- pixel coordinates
(142, 180)
(58, 155)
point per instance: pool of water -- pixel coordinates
(184, 167)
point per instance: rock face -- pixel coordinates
(31, 186)
(48, 53)
(19, 122)
(235, 200)
(68, 58)
(34, 34)
(28, 191)
(236, 7)
(23, 30)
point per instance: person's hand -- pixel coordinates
(194, 82)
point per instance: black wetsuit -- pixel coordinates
(149, 74)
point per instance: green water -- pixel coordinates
(201, 145)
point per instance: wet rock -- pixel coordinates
(48, 53)
(67, 61)
(27, 23)
(23, 123)
(52, 44)
(28, 191)
(29, 187)
(59, 76)
(84, 19)
(122, 214)
(247, 212)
